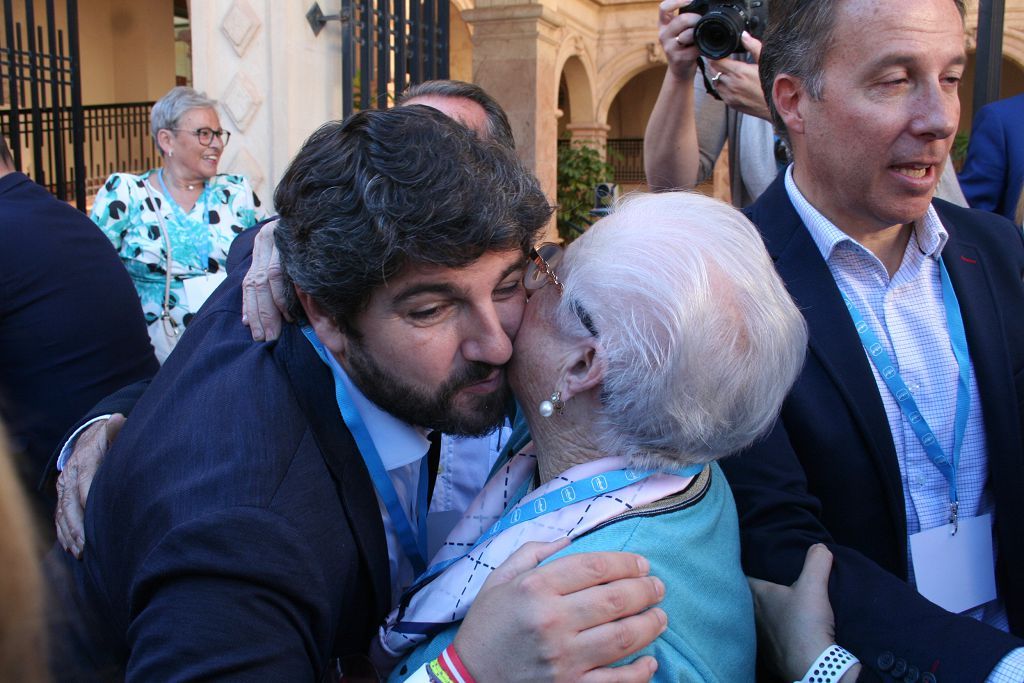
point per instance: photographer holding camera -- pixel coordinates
(688, 126)
(700, 107)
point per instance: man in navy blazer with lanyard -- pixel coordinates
(901, 443)
(242, 539)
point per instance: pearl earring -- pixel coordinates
(550, 407)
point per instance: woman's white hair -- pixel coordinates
(700, 339)
(169, 109)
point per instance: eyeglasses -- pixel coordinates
(206, 135)
(541, 270)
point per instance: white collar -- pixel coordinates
(399, 443)
(931, 234)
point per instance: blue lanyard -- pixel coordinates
(905, 400)
(201, 240)
(573, 492)
(413, 544)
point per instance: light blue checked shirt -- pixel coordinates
(908, 315)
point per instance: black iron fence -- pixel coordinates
(626, 155)
(115, 137)
(40, 94)
(389, 44)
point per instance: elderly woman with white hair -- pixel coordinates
(657, 343)
(173, 226)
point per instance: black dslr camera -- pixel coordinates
(718, 32)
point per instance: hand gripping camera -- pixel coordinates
(718, 32)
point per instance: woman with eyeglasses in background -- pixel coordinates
(173, 226)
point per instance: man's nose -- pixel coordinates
(485, 338)
(937, 112)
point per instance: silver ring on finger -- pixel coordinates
(714, 79)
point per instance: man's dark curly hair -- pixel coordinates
(383, 189)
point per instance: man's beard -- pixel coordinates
(483, 412)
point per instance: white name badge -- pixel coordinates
(199, 289)
(956, 572)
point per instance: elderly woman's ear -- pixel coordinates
(164, 137)
(585, 368)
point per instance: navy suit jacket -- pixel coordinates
(828, 471)
(993, 173)
(233, 529)
(71, 327)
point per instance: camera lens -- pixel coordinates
(718, 32)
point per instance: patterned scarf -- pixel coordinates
(443, 595)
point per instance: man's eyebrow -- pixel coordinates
(519, 265)
(423, 288)
(904, 59)
(444, 288)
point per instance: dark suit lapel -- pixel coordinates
(985, 341)
(833, 340)
(314, 390)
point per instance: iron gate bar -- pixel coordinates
(348, 53)
(425, 29)
(401, 45)
(56, 137)
(77, 114)
(365, 39)
(12, 80)
(33, 84)
(383, 38)
(387, 45)
(442, 31)
(988, 53)
(416, 42)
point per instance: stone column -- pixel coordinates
(514, 53)
(593, 133)
(276, 81)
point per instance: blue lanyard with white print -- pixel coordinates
(573, 492)
(905, 400)
(413, 544)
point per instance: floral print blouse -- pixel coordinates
(199, 238)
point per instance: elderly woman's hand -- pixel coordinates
(795, 623)
(738, 82)
(263, 302)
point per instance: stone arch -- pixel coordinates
(626, 66)
(1013, 47)
(575, 67)
(631, 106)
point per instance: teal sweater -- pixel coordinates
(692, 543)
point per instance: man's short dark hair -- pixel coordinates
(5, 153)
(498, 128)
(797, 42)
(365, 197)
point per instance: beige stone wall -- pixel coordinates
(276, 81)
(127, 50)
(126, 46)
